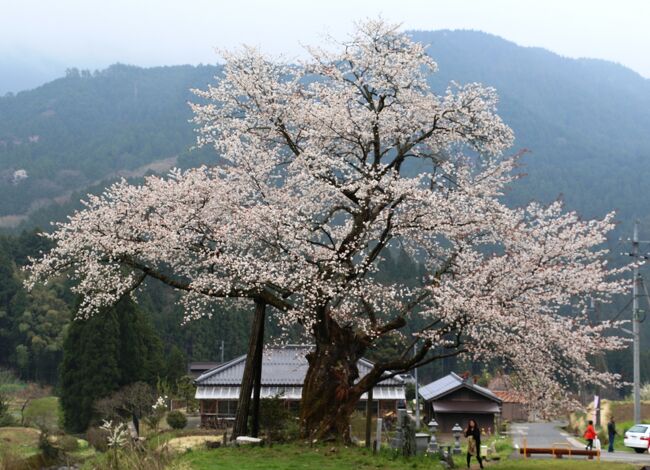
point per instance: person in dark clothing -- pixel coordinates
(473, 435)
(611, 433)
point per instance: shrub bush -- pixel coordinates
(6, 419)
(291, 431)
(602, 435)
(274, 417)
(49, 451)
(176, 420)
(67, 443)
(97, 438)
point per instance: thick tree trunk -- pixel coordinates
(243, 406)
(329, 397)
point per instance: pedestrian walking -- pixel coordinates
(611, 433)
(473, 435)
(590, 435)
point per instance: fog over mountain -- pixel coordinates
(23, 70)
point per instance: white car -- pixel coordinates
(638, 438)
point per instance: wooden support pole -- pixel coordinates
(257, 387)
(243, 406)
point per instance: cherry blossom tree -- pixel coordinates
(327, 165)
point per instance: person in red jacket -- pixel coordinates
(590, 435)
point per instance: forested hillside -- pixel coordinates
(585, 123)
(581, 120)
(83, 128)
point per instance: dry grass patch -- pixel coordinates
(22, 441)
(181, 444)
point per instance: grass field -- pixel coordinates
(22, 441)
(293, 457)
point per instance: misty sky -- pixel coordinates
(93, 34)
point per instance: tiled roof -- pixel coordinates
(450, 383)
(285, 365)
(509, 396)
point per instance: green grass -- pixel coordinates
(295, 457)
(44, 412)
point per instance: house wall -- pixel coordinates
(446, 421)
(220, 413)
(464, 394)
(382, 406)
(217, 414)
(514, 412)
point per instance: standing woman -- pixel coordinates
(473, 435)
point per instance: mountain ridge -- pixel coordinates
(583, 120)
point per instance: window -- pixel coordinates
(227, 408)
(638, 428)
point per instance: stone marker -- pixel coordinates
(378, 435)
(248, 441)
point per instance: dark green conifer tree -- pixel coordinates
(114, 348)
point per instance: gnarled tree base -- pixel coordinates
(329, 397)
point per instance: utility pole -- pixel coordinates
(635, 326)
(636, 320)
(222, 344)
(417, 393)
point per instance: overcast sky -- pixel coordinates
(93, 33)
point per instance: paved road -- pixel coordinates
(549, 434)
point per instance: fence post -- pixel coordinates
(525, 448)
(378, 434)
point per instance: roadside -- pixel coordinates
(552, 435)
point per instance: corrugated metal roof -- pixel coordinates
(285, 365)
(288, 393)
(448, 384)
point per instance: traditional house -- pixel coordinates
(283, 373)
(452, 400)
(515, 404)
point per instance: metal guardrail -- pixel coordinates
(557, 449)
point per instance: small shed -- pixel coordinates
(514, 407)
(452, 399)
(515, 404)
